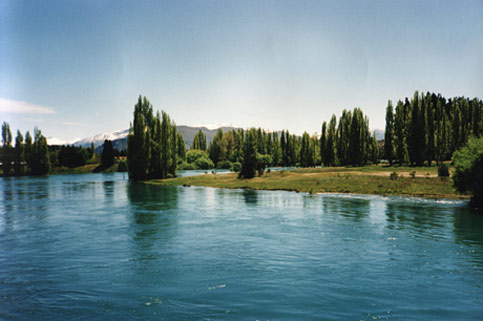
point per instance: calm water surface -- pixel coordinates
(99, 247)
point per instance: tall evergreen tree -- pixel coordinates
(249, 163)
(6, 149)
(107, 157)
(323, 143)
(400, 135)
(40, 154)
(331, 140)
(199, 141)
(357, 141)
(181, 147)
(19, 154)
(28, 150)
(389, 133)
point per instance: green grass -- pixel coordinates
(86, 169)
(363, 180)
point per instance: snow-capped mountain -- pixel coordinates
(98, 140)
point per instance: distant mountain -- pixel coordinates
(99, 139)
(119, 138)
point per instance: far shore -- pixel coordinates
(375, 180)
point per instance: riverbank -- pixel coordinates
(376, 180)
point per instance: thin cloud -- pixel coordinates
(21, 107)
(70, 123)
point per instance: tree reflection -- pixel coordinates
(250, 196)
(154, 211)
(467, 226)
(353, 208)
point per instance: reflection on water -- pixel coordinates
(250, 196)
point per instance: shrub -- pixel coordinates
(468, 176)
(236, 166)
(262, 162)
(393, 176)
(226, 164)
(443, 171)
(204, 163)
(184, 166)
(413, 174)
(193, 154)
(122, 166)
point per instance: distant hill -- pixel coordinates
(119, 138)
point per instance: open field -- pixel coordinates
(363, 180)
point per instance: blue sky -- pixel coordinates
(76, 68)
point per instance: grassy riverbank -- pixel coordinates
(419, 182)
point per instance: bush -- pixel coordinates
(122, 166)
(193, 154)
(184, 166)
(224, 164)
(443, 171)
(413, 174)
(262, 162)
(204, 163)
(236, 166)
(393, 176)
(468, 176)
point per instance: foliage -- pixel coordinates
(107, 157)
(236, 166)
(389, 133)
(443, 170)
(122, 166)
(225, 164)
(152, 144)
(393, 176)
(72, 156)
(468, 176)
(204, 163)
(249, 162)
(185, 166)
(40, 154)
(199, 141)
(263, 160)
(193, 154)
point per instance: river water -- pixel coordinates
(99, 247)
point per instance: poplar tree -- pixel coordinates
(199, 141)
(249, 163)
(323, 143)
(400, 134)
(389, 133)
(6, 149)
(331, 140)
(19, 154)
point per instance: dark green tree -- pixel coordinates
(19, 154)
(40, 154)
(389, 133)
(107, 157)
(6, 149)
(331, 141)
(249, 162)
(468, 176)
(323, 143)
(199, 141)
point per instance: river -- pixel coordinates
(97, 246)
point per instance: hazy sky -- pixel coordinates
(76, 68)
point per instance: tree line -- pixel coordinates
(28, 156)
(430, 127)
(33, 156)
